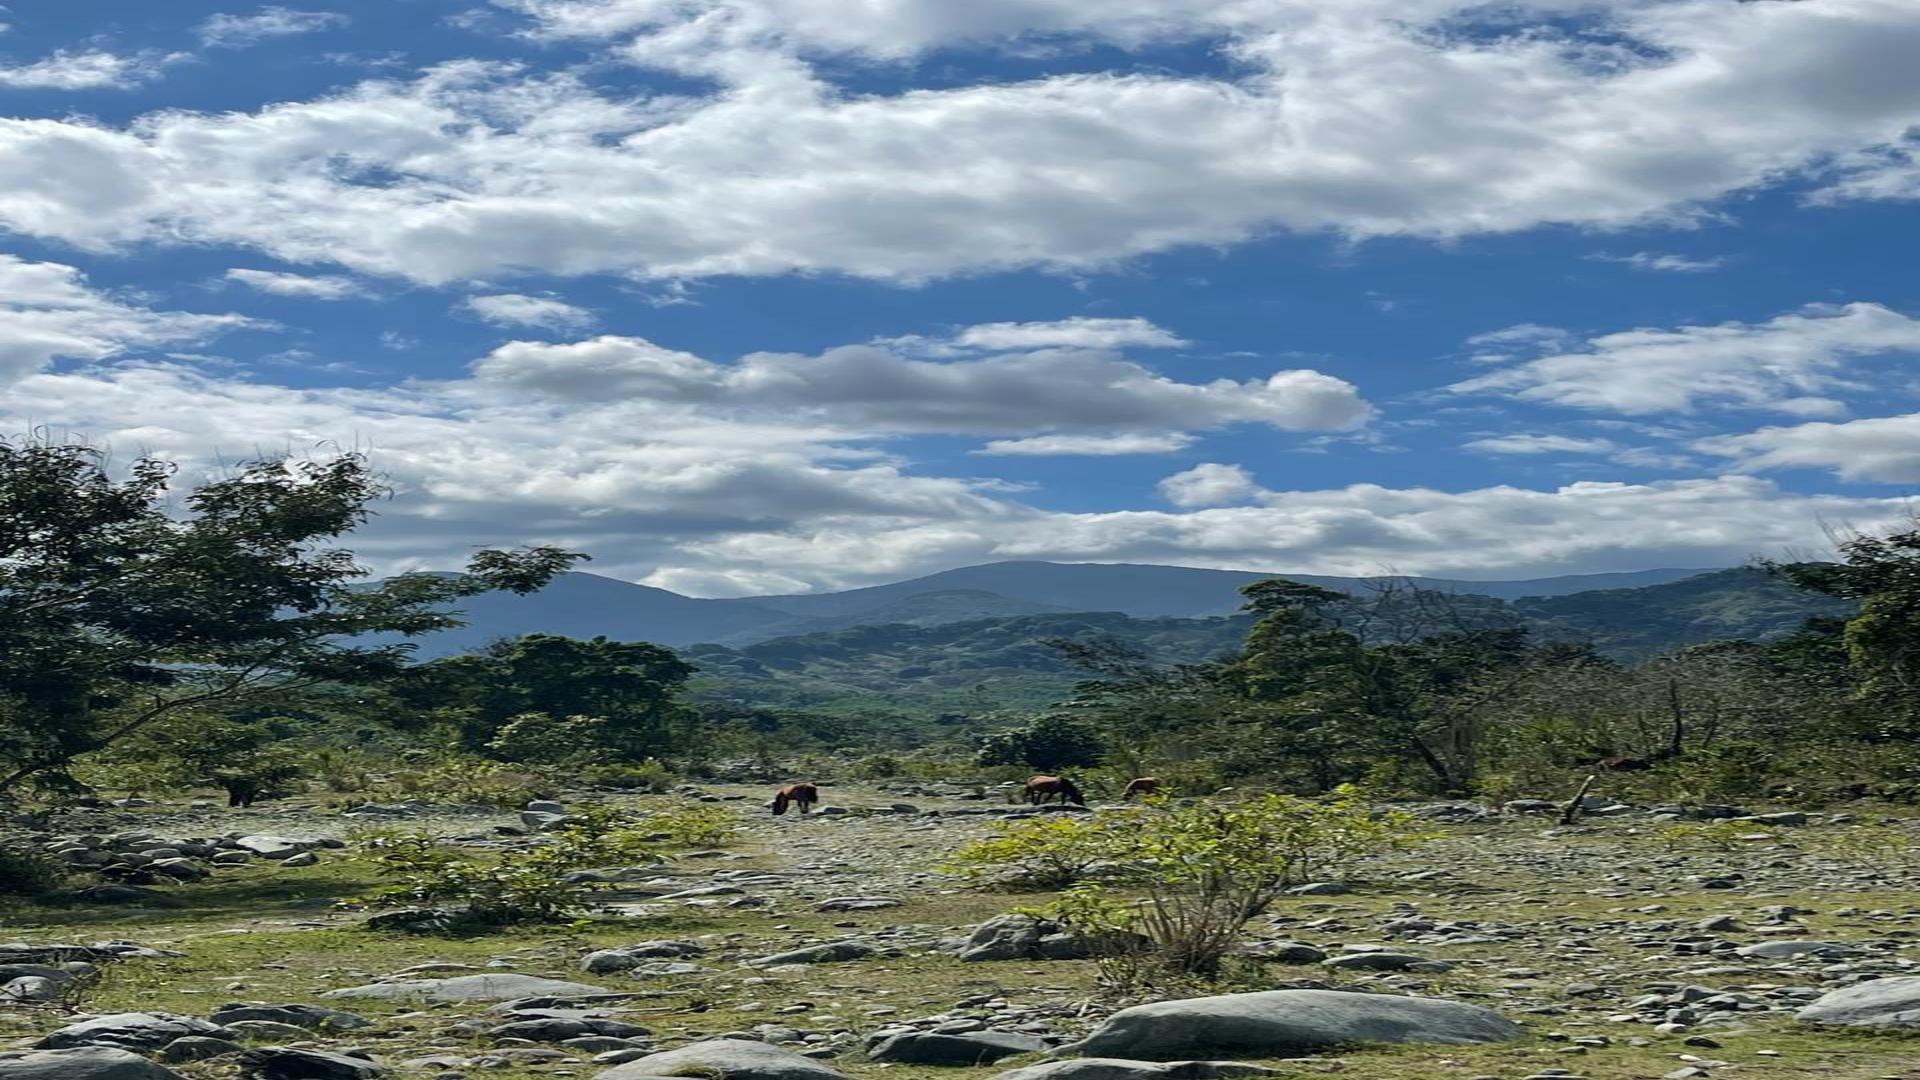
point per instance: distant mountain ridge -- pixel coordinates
(585, 605)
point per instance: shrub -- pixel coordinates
(27, 872)
(1047, 852)
(529, 885)
(698, 825)
(649, 776)
(877, 767)
(1879, 849)
(476, 780)
(1203, 871)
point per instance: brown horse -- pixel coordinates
(1044, 789)
(1142, 785)
(802, 796)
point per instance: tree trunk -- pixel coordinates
(1571, 811)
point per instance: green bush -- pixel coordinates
(649, 776)
(528, 885)
(1202, 871)
(1047, 852)
(27, 872)
(697, 825)
(477, 780)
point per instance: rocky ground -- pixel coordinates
(1619, 948)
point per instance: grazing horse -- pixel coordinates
(800, 795)
(1142, 785)
(1044, 789)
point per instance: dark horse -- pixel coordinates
(800, 795)
(1045, 789)
(1142, 785)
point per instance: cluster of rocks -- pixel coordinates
(39, 974)
(130, 860)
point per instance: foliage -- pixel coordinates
(1046, 852)
(695, 825)
(527, 885)
(650, 775)
(1202, 871)
(1882, 641)
(1880, 849)
(1049, 742)
(463, 779)
(616, 698)
(119, 608)
(26, 871)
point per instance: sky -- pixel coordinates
(763, 296)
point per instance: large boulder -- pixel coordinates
(289, 1063)
(128, 1031)
(1119, 1069)
(466, 988)
(316, 1017)
(275, 847)
(830, 952)
(1275, 1022)
(1879, 1003)
(969, 1048)
(726, 1059)
(83, 1063)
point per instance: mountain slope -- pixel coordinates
(1632, 624)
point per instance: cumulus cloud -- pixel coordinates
(1209, 484)
(48, 311)
(94, 69)
(1786, 364)
(1089, 445)
(229, 31)
(312, 287)
(871, 388)
(682, 497)
(1540, 444)
(519, 309)
(1366, 118)
(1885, 448)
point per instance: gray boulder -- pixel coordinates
(1386, 961)
(971, 1048)
(627, 957)
(1275, 1022)
(1119, 1069)
(128, 1031)
(1286, 952)
(1780, 950)
(559, 1028)
(317, 1017)
(198, 1048)
(288, 1063)
(466, 988)
(828, 953)
(85, 1063)
(1879, 1003)
(726, 1059)
(275, 847)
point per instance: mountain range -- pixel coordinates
(585, 605)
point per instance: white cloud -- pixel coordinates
(1366, 118)
(869, 388)
(1784, 364)
(1089, 445)
(94, 69)
(229, 31)
(519, 309)
(1885, 448)
(1540, 444)
(320, 287)
(1209, 484)
(1665, 263)
(48, 311)
(1079, 332)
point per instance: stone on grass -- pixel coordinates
(84, 1063)
(970, 1048)
(466, 988)
(198, 1048)
(288, 1063)
(275, 847)
(830, 952)
(1386, 961)
(1879, 1003)
(726, 1059)
(1776, 950)
(1122, 1069)
(317, 1017)
(556, 1029)
(128, 1031)
(1274, 1022)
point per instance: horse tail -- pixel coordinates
(780, 800)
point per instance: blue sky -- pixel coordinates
(769, 295)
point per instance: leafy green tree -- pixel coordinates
(1882, 641)
(1049, 742)
(116, 613)
(631, 690)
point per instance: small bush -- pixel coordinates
(1879, 849)
(877, 767)
(1203, 871)
(1048, 852)
(698, 825)
(476, 780)
(649, 776)
(27, 872)
(529, 885)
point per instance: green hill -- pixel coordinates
(1633, 624)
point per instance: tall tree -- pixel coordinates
(115, 613)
